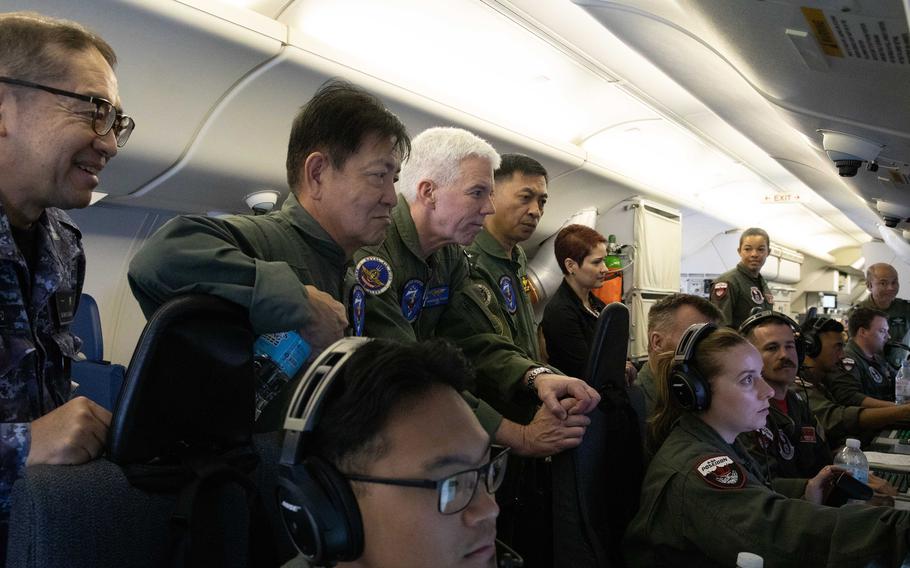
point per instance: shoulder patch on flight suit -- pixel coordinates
(785, 448)
(720, 289)
(721, 472)
(412, 299)
(848, 363)
(374, 274)
(808, 435)
(876, 376)
(507, 289)
(757, 295)
(485, 294)
(358, 295)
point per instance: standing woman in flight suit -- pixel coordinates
(704, 498)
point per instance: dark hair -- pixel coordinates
(707, 361)
(335, 121)
(662, 314)
(829, 325)
(512, 163)
(379, 378)
(773, 318)
(575, 242)
(34, 47)
(862, 318)
(755, 232)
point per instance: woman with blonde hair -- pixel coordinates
(705, 499)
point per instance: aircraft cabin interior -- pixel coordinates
(672, 124)
(714, 115)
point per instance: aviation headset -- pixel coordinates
(317, 505)
(688, 385)
(760, 317)
(810, 338)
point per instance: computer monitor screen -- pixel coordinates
(829, 301)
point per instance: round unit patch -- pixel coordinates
(357, 308)
(412, 299)
(485, 294)
(876, 376)
(721, 472)
(507, 289)
(374, 274)
(757, 296)
(784, 446)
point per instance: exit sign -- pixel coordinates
(784, 198)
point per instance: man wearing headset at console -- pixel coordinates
(792, 441)
(411, 467)
(866, 379)
(824, 340)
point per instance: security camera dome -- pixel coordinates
(261, 202)
(848, 168)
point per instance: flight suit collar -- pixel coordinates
(745, 272)
(486, 242)
(407, 230)
(853, 349)
(700, 430)
(302, 219)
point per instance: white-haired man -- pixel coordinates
(407, 282)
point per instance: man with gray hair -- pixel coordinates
(408, 281)
(883, 284)
(60, 123)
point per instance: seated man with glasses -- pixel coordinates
(60, 123)
(419, 463)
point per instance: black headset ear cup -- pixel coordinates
(320, 511)
(690, 389)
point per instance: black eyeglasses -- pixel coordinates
(105, 117)
(455, 491)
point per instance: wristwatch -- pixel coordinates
(533, 374)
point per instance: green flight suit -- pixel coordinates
(406, 294)
(704, 501)
(261, 263)
(736, 293)
(898, 326)
(839, 421)
(501, 283)
(861, 377)
(646, 381)
(792, 444)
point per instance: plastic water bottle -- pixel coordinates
(749, 560)
(276, 359)
(901, 383)
(852, 459)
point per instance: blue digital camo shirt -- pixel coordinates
(36, 346)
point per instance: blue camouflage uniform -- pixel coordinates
(37, 346)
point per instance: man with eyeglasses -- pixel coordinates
(419, 463)
(60, 123)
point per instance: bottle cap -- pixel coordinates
(611, 239)
(853, 443)
(749, 560)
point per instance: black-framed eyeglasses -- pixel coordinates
(457, 490)
(105, 117)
